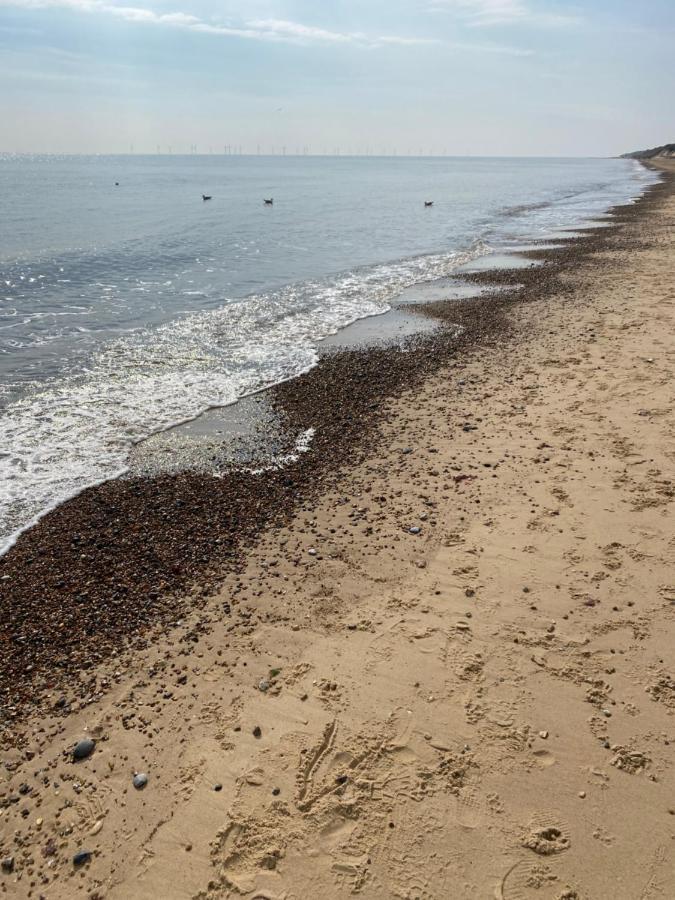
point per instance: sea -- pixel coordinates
(128, 303)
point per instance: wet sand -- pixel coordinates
(430, 658)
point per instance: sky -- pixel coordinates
(456, 77)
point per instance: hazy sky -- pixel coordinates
(486, 77)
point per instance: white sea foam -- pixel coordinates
(302, 445)
(78, 431)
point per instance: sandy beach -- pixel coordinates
(430, 658)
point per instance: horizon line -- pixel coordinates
(295, 155)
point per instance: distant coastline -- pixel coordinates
(666, 151)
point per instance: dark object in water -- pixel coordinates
(428, 202)
(269, 202)
(206, 197)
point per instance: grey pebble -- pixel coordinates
(82, 857)
(140, 780)
(84, 748)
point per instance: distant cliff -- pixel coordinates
(665, 152)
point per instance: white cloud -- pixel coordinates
(491, 11)
(283, 28)
(284, 31)
(279, 30)
(503, 12)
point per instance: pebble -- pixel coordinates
(7, 865)
(263, 685)
(257, 731)
(415, 529)
(96, 827)
(217, 787)
(82, 857)
(543, 735)
(140, 780)
(83, 748)
(582, 794)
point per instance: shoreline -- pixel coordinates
(45, 565)
(444, 669)
(40, 498)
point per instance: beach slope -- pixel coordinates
(449, 677)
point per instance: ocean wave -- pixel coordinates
(78, 431)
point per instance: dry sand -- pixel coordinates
(481, 709)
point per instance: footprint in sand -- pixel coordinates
(352, 872)
(547, 835)
(469, 808)
(525, 881)
(333, 833)
(469, 667)
(381, 646)
(544, 758)
(663, 690)
(401, 722)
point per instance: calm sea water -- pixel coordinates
(126, 308)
